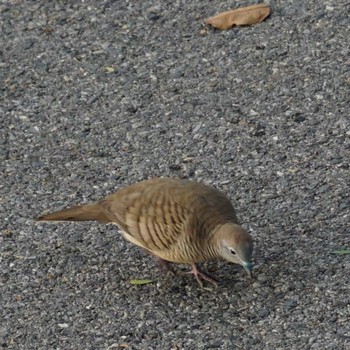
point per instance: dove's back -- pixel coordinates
(172, 218)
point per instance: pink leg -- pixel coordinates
(201, 275)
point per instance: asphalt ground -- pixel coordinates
(99, 95)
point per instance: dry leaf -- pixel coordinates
(118, 346)
(240, 17)
(175, 347)
(109, 69)
(140, 282)
(341, 252)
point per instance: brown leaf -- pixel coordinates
(240, 17)
(175, 347)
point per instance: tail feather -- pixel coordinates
(90, 212)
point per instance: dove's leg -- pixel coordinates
(201, 275)
(164, 265)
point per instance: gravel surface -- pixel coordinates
(98, 95)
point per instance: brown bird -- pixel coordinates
(175, 220)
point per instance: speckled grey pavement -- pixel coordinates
(98, 95)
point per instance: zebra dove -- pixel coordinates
(177, 221)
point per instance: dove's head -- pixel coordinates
(236, 245)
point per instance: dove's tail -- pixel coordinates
(89, 212)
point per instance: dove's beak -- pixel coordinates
(248, 266)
